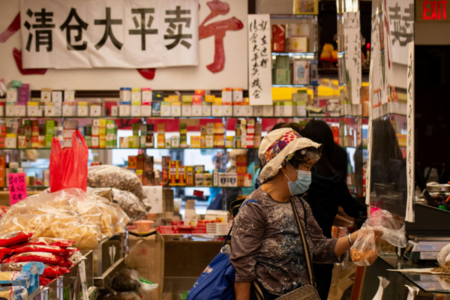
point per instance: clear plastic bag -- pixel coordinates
(69, 214)
(115, 177)
(364, 251)
(130, 204)
(393, 229)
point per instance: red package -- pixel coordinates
(39, 248)
(6, 251)
(65, 263)
(69, 252)
(46, 258)
(44, 281)
(64, 270)
(51, 271)
(44, 241)
(13, 238)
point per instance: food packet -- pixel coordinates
(44, 281)
(68, 214)
(51, 271)
(130, 204)
(14, 237)
(33, 268)
(45, 241)
(38, 248)
(364, 251)
(13, 293)
(46, 258)
(119, 178)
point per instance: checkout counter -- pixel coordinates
(431, 229)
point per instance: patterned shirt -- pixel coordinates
(266, 243)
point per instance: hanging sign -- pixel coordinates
(69, 34)
(410, 155)
(17, 187)
(259, 60)
(352, 55)
(400, 16)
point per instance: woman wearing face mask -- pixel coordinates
(267, 248)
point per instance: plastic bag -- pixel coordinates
(51, 271)
(364, 251)
(14, 237)
(68, 214)
(39, 248)
(126, 280)
(46, 258)
(44, 281)
(13, 293)
(69, 166)
(130, 204)
(115, 177)
(45, 241)
(393, 230)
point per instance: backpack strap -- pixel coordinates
(229, 232)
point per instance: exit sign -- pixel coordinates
(428, 11)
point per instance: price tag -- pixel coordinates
(17, 187)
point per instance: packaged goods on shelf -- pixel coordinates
(14, 292)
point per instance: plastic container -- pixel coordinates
(143, 225)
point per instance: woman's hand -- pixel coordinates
(343, 243)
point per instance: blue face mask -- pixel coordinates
(301, 185)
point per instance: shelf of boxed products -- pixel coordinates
(308, 55)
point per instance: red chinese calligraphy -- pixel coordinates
(218, 30)
(13, 28)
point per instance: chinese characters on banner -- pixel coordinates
(352, 55)
(259, 60)
(410, 155)
(17, 187)
(67, 34)
(377, 79)
(400, 14)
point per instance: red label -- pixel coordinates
(198, 193)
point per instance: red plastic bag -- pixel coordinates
(13, 238)
(69, 166)
(46, 258)
(69, 252)
(51, 271)
(44, 281)
(45, 241)
(40, 248)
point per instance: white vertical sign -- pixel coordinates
(352, 40)
(259, 60)
(410, 156)
(369, 129)
(400, 14)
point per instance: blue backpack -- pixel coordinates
(217, 280)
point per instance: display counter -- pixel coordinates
(429, 285)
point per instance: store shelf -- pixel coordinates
(105, 280)
(310, 55)
(295, 85)
(216, 148)
(110, 117)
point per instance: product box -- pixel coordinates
(183, 128)
(149, 141)
(248, 111)
(301, 71)
(146, 109)
(199, 179)
(186, 98)
(24, 93)
(238, 110)
(10, 109)
(195, 141)
(227, 95)
(114, 111)
(281, 76)
(56, 96)
(298, 30)
(278, 36)
(34, 109)
(186, 109)
(136, 95)
(69, 96)
(147, 95)
(161, 139)
(190, 175)
(156, 107)
(277, 109)
(209, 141)
(46, 94)
(258, 111)
(197, 109)
(297, 44)
(288, 109)
(125, 94)
(49, 109)
(206, 109)
(176, 109)
(136, 109)
(175, 142)
(11, 95)
(227, 110)
(314, 72)
(210, 98)
(165, 109)
(96, 109)
(161, 128)
(158, 95)
(238, 95)
(20, 110)
(282, 62)
(125, 109)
